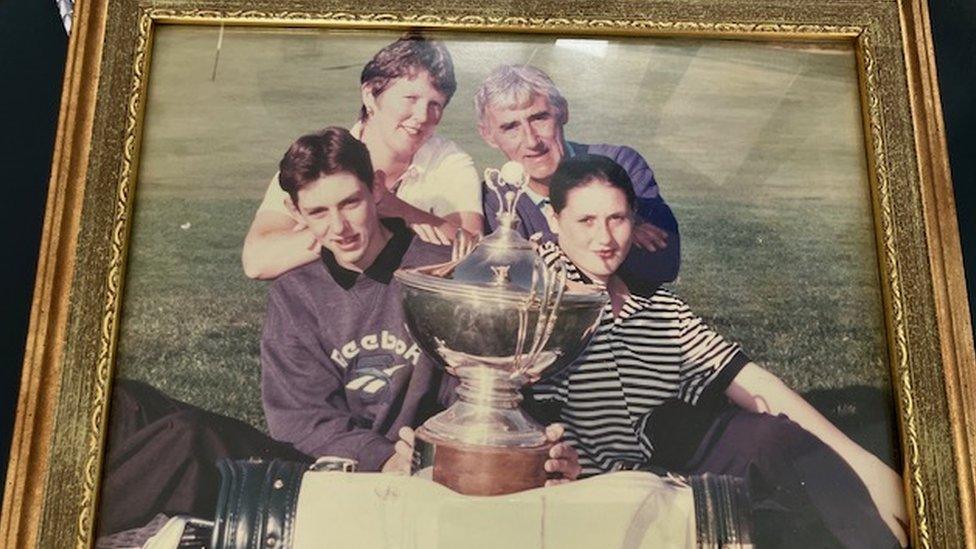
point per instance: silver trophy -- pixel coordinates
(498, 319)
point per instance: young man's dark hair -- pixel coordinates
(583, 169)
(326, 152)
(405, 58)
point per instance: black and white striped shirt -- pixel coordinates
(654, 351)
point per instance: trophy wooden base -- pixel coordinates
(480, 470)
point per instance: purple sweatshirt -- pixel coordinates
(340, 373)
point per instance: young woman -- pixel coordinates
(657, 387)
(424, 179)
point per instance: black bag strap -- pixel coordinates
(257, 503)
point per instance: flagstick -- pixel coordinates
(220, 41)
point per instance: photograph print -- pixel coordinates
(701, 345)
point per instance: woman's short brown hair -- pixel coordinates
(406, 57)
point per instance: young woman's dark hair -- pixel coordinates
(325, 152)
(582, 169)
(405, 58)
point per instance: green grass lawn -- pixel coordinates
(757, 149)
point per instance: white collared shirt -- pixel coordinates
(440, 180)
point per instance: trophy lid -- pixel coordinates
(504, 259)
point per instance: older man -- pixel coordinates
(522, 113)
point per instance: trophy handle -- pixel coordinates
(552, 290)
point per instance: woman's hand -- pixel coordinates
(427, 226)
(758, 390)
(563, 458)
(886, 489)
(434, 234)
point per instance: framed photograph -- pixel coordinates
(791, 199)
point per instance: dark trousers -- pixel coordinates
(162, 454)
(803, 493)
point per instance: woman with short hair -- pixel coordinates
(424, 179)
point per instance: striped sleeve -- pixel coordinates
(708, 363)
(552, 254)
(553, 389)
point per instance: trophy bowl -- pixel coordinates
(497, 318)
(495, 340)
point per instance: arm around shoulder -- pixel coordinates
(275, 244)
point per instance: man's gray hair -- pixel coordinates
(515, 86)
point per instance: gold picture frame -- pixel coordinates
(56, 457)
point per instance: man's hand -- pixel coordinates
(399, 462)
(650, 237)
(563, 458)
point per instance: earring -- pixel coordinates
(369, 112)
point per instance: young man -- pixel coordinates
(657, 387)
(341, 375)
(522, 113)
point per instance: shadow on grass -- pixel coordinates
(863, 413)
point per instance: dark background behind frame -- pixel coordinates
(33, 47)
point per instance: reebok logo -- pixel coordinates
(383, 341)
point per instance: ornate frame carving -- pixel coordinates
(51, 487)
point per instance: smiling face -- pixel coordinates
(340, 212)
(595, 228)
(405, 113)
(531, 134)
